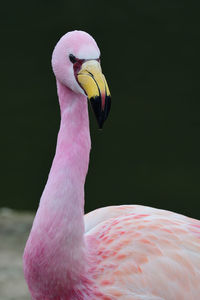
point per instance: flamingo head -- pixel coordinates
(76, 64)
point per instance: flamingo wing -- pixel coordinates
(144, 253)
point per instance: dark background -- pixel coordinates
(148, 152)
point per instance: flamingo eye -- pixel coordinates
(72, 58)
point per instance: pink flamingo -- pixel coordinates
(119, 252)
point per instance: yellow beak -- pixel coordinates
(94, 84)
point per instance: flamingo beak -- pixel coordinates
(94, 84)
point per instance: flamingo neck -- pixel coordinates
(54, 258)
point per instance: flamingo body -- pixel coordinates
(145, 253)
(120, 252)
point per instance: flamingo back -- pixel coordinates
(144, 253)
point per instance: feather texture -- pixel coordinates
(145, 253)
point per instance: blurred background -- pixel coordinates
(148, 151)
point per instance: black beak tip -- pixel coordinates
(101, 114)
(100, 121)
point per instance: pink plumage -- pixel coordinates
(124, 252)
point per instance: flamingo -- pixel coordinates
(117, 252)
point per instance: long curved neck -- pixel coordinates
(56, 242)
(71, 159)
(63, 195)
